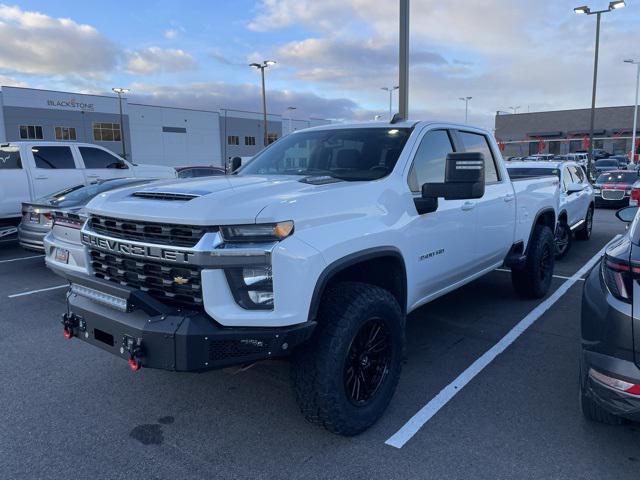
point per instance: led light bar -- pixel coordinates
(116, 303)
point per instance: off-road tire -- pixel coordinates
(563, 229)
(318, 367)
(585, 232)
(533, 279)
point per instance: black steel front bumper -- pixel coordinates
(153, 335)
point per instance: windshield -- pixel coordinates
(347, 154)
(618, 177)
(81, 194)
(524, 172)
(607, 163)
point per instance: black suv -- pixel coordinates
(610, 363)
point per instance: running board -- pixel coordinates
(8, 231)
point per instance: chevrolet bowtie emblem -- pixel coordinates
(180, 280)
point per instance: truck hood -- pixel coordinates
(224, 200)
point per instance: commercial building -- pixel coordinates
(564, 131)
(152, 134)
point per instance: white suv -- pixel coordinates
(577, 200)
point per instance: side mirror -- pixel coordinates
(236, 162)
(574, 188)
(463, 179)
(627, 214)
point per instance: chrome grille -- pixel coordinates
(173, 235)
(155, 278)
(167, 196)
(612, 194)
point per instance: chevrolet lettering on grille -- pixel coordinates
(142, 251)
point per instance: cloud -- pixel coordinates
(34, 43)
(171, 33)
(217, 95)
(155, 60)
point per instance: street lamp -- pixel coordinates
(261, 67)
(289, 109)
(635, 110)
(466, 107)
(120, 91)
(585, 10)
(515, 109)
(390, 90)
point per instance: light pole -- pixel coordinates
(120, 91)
(515, 109)
(289, 109)
(585, 10)
(635, 110)
(403, 60)
(261, 67)
(390, 90)
(466, 107)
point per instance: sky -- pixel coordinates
(333, 56)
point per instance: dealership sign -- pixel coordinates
(72, 104)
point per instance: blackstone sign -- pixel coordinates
(72, 104)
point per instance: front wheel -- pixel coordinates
(585, 232)
(563, 240)
(534, 278)
(345, 377)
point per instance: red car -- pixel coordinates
(613, 189)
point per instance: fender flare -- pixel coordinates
(347, 261)
(541, 212)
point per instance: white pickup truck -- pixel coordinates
(31, 170)
(318, 248)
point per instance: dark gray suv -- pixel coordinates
(610, 363)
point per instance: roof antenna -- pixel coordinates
(396, 118)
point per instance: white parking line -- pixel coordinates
(38, 291)
(561, 277)
(415, 423)
(21, 258)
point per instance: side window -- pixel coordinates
(10, 159)
(475, 142)
(53, 157)
(187, 173)
(429, 161)
(96, 158)
(566, 178)
(577, 173)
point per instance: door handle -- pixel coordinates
(509, 197)
(92, 175)
(468, 206)
(41, 177)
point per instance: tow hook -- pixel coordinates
(132, 346)
(70, 322)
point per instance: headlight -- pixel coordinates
(259, 232)
(596, 190)
(252, 287)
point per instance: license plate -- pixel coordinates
(34, 217)
(62, 255)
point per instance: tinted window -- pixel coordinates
(206, 172)
(10, 158)
(606, 163)
(529, 172)
(96, 158)
(618, 177)
(53, 157)
(474, 142)
(577, 173)
(186, 173)
(355, 154)
(429, 162)
(81, 194)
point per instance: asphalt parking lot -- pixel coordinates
(69, 410)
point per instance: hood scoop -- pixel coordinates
(166, 196)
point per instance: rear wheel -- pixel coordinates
(345, 377)
(533, 279)
(585, 232)
(563, 239)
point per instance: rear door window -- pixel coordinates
(53, 157)
(10, 159)
(97, 158)
(475, 142)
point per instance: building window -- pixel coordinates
(106, 132)
(620, 146)
(65, 133)
(174, 130)
(554, 147)
(249, 140)
(233, 140)
(575, 145)
(271, 137)
(31, 132)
